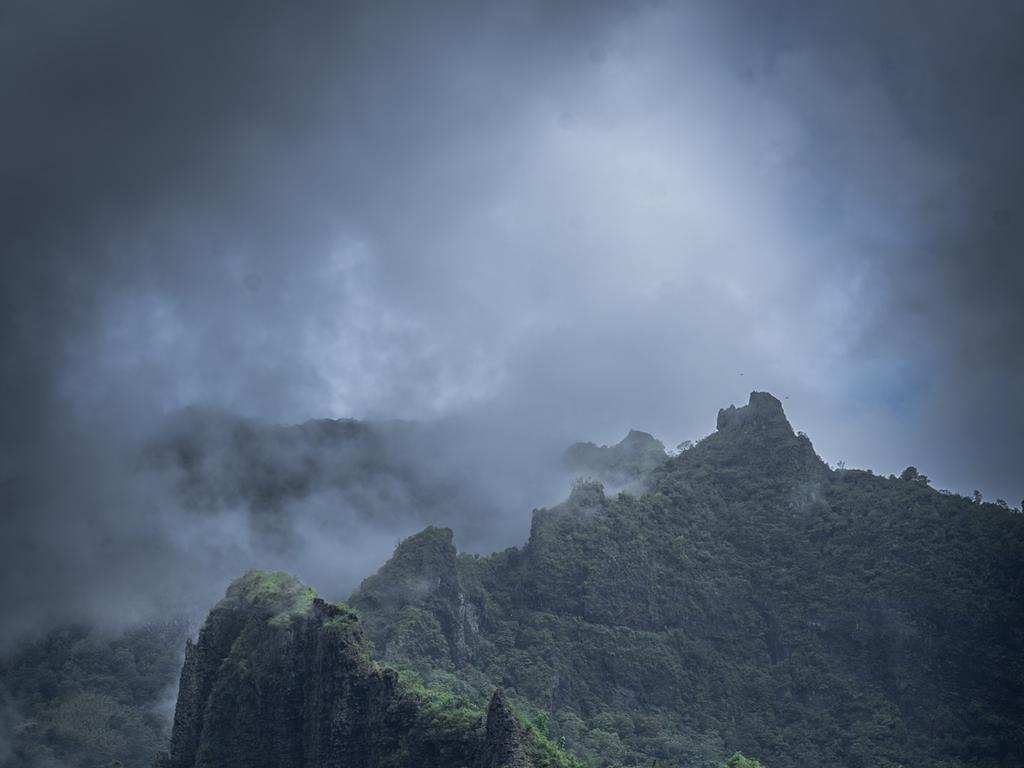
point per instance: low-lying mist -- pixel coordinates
(163, 519)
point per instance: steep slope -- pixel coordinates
(754, 599)
(280, 679)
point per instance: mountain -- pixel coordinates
(280, 679)
(742, 596)
(753, 599)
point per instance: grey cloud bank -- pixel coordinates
(529, 223)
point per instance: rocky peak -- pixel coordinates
(504, 736)
(759, 436)
(763, 413)
(420, 580)
(424, 561)
(280, 678)
(277, 595)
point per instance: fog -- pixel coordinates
(516, 225)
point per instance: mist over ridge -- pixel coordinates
(661, 572)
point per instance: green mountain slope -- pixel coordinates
(754, 600)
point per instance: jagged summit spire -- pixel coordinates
(504, 738)
(762, 413)
(760, 434)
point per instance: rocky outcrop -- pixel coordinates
(504, 736)
(418, 604)
(281, 679)
(758, 436)
(762, 413)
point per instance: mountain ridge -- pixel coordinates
(742, 595)
(752, 598)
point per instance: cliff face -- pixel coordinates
(416, 606)
(281, 679)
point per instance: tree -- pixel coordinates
(738, 760)
(912, 475)
(542, 721)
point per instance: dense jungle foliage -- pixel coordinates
(754, 600)
(80, 698)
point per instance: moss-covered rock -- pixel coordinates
(281, 679)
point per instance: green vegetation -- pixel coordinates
(754, 599)
(279, 595)
(543, 752)
(751, 598)
(79, 699)
(739, 761)
(439, 708)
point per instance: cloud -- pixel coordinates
(531, 223)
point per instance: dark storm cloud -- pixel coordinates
(198, 204)
(538, 222)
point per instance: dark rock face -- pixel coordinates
(419, 595)
(762, 413)
(281, 679)
(758, 435)
(504, 736)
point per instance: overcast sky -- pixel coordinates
(554, 220)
